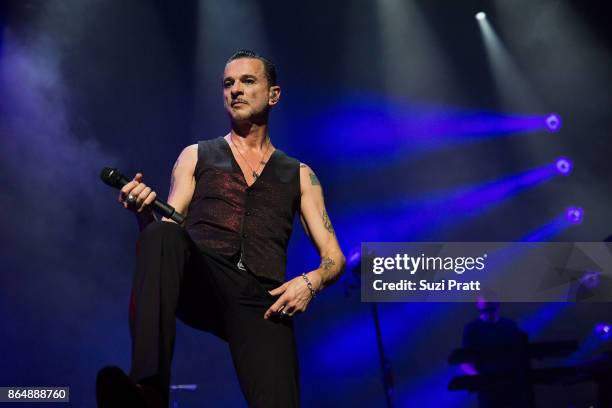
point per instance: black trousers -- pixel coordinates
(176, 278)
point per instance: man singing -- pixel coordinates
(223, 270)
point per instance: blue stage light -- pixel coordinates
(574, 215)
(590, 280)
(564, 165)
(603, 331)
(553, 122)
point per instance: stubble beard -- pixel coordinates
(246, 114)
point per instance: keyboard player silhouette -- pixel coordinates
(502, 348)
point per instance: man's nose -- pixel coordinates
(236, 89)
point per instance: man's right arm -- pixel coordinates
(182, 186)
(182, 181)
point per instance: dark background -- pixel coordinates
(383, 99)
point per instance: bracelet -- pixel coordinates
(313, 293)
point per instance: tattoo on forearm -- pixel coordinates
(314, 180)
(327, 263)
(327, 223)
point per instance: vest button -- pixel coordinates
(244, 235)
(247, 213)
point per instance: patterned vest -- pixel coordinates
(252, 224)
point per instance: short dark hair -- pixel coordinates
(269, 68)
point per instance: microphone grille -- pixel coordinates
(111, 177)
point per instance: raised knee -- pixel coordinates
(161, 228)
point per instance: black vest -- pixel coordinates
(237, 221)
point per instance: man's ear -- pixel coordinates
(274, 95)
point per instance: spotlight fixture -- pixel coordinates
(481, 15)
(574, 215)
(590, 280)
(553, 122)
(564, 165)
(603, 331)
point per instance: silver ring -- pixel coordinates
(131, 199)
(284, 314)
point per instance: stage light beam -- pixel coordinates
(516, 92)
(412, 61)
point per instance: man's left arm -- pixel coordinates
(295, 294)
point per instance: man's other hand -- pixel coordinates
(294, 295)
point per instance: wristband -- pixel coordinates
(313, 293)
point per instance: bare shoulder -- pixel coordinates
(187, 159)
(308, 178)
(305, 170)
(189, 153)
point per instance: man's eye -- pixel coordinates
(249, 81)
(227, 84)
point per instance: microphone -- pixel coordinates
(113, 178)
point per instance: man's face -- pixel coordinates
(488, 309)
(246, 93)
